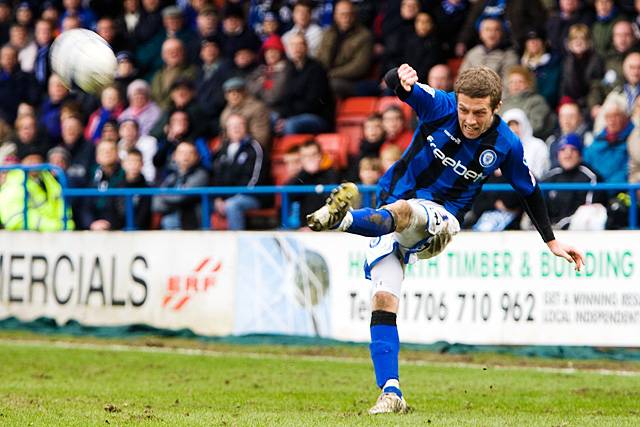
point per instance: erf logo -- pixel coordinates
(180, 289)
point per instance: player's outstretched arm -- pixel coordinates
(567, 252)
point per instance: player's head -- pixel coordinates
(479, 93)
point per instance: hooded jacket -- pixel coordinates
(536, 152)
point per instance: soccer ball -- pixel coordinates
(83, 58)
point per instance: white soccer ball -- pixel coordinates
(83, 57)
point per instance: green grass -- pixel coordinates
(42, 383)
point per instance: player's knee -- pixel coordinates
(385, 301)
(401, 211)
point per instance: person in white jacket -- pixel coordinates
(536, 152)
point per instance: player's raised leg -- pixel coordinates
(386, 276)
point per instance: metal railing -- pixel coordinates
(285, 192)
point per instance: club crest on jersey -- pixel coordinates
(488, 158)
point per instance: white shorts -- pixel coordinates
(429, 232)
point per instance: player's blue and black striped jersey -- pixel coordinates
(443, 166)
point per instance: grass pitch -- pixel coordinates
(94, 382)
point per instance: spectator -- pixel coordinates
(268, 81)
(71, 22)
(43, 39)
(570, 12)
(627, 92)
(606, 14)
(389, 154)
(515, 15)
(106, 28)
(393, 123)
(307, 105)
(450, 16)
(82, 152)
(394, 42)
(127, 22)
(292, 163)
(369, 170)
(495, 210)
(623, 41)
(85, 15)
(582, 67)
(269, 27)
(570, 120)
(207, 23)
(244, 61)
(21, 40)
(133, 165)
(148, 25)
(345, 50)
(421, 47)
(373, 137)
(60, 156)
(125, 73)
(182, 97)
(110, 109)
(44, 198)
(175, 67)
(240, 161)
(440, 78)
(182, 212)
(213, 72)
(5, 21)
(254, 111)
(102, 213)
(175, 27)
(312, 173)
(521, 94)
(571, 169)
(16, 86)
(546, 66)
(110, 131)
(24, 15)
(536, 153)
(303, 24)
(146, 145)
(491, 51)
(608, 154)
(141, 107)
(28, 135)
(235, 33)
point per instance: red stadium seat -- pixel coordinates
(356, 109)
(354, 134)
(284, 143)
(336, 146)
(454, 66)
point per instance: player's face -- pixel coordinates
(474, 115)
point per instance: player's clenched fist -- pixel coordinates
(408, 76)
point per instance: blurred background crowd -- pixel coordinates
(246, 93)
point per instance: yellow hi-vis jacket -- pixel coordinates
(45, 204)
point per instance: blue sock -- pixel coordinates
(384, 347)
(371, 222)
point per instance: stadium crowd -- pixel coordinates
(246, 93)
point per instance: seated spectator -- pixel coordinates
(627, 92)
(312, 173)
(521, 94)
(244, 61)
(369, 170)
(214, 71)
(240, 161)
(84, 14)
(389, 154)
(82, 152)
(182, 97)
(346, 50)
(21, 40)
(133, 165)
(545, 65)
(60, 156)
(394, 42)
(49, 116)
(102, 213)
(307, 104)
(44, 193)
(106, 28)
(582, 67)
(24, 14)
(254, 111)
(292, 162)
(110, 109)
(126, 72)
(606, 15)
(28, 135)
(563, 204)
(182, 212)
(235, 33)
(270, 26)
(373, 137)
(608, 154)
(175, 66)
(568, 13)
(421, 47)
(43, 38)
(207, 22)
(536, 153)
(570, 120)
(440, 78)
(146, 145)
(303, 24)
(110, 131)
(141, 107)
(393, 123)
(16, 86)
(176, 131)
(268, 81)
(491, 52)
(449, 16)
